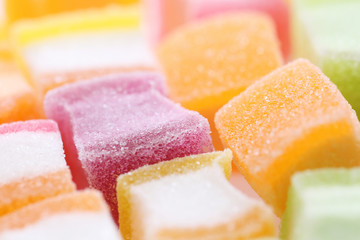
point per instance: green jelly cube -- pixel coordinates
(323, 205)
(327, 33)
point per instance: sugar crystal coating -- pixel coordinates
(56, 102)
(18, 99)
(78, 215)
(291, 120)
(55, 45)
(33, 164)
(147, 173)
(209, 62)
(164, 17)
(277, 10)
(323, 32)
(323, 205)
(120, 123)
(171, 200)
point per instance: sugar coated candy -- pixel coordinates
(78, 215)
(32, 162)
(116, 124)
(51, 47)
(165, 16)
(24, 9)
(324, 32)
(323, 205)
(18, 99)
(5, 48)
(189, 198)
(209, 62)
(57, 80)
(291, 120)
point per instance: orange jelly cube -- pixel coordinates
(87, 200)
(33, 164)
(5, 48)
(209, 62)
(291, 120)
(21, 9)
(77, 215)
(18, 100)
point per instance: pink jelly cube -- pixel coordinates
(56, 108)
(163, 16)
(29, 126)
(119, 123)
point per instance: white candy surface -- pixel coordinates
(29, 154)
(69, 226)
(203, 198)
(88, 50)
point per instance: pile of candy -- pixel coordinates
(180, 119)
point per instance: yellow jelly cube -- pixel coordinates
(189, 198)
